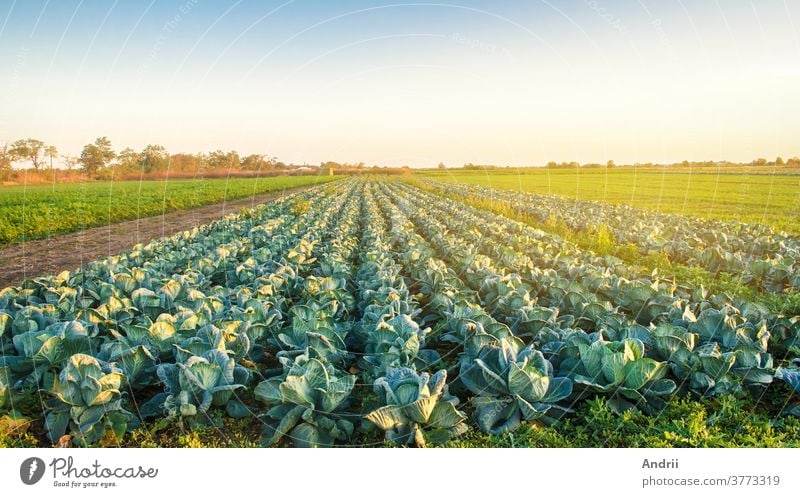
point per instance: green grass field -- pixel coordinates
(758, 197)
(34, 212)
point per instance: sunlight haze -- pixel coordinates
(506, 82)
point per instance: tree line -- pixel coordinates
(100, 155)
(793, 162)
(779, 161)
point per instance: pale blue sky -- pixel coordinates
(504, 82)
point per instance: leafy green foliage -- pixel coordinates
(720, 422)
(5, 389)
(417, 408)
(511, 383)
(621, 370)
(86, 401)
(199, 382)
(306, 404)
(703, 370)
(765, 258)
(791, 376)
(394, 342)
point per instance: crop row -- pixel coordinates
(759, 255)
(362, 318)
(563, 278)
(170, 322)
(723, 349)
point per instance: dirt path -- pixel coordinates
(21, 261)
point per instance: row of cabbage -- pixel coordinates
(362, 325)
(178, 329)
(558, 273)
(376, 338)
(169, 329)
(309, 399)
(416, 405)
(562, 299)
(756, 253)
(507, 382)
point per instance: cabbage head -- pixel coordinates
(417, 408)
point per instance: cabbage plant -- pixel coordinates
(394, 342)
(645, 303)
(87, 401)
(790, 375)
(137, 363)
(754, 367)
(730, 329)
(621, 370)
(512, 383)
(307, 405)
(314, 330)
(199, 382)
(785, 335)
(416, 408)
(703, 370)
(41, 353)
(473, 327)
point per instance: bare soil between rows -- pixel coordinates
(20, 261)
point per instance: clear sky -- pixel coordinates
(391, 83)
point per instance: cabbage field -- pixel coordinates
(757, 254)
(370, 312)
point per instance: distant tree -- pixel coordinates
(760, 162)
(50, 151)
(186, 162)
(96, 156)
(154, 158)
(223, 160)
(29, 149)
(779, 161)
(610, 164)
(70, 161)
(234, 161)
(552, 164)
(793, 162)
(442, 166)
(6, 157)
(128, 160)
(257, 162)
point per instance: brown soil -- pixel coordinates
(20, 261)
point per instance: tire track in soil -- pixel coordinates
(20, 261)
